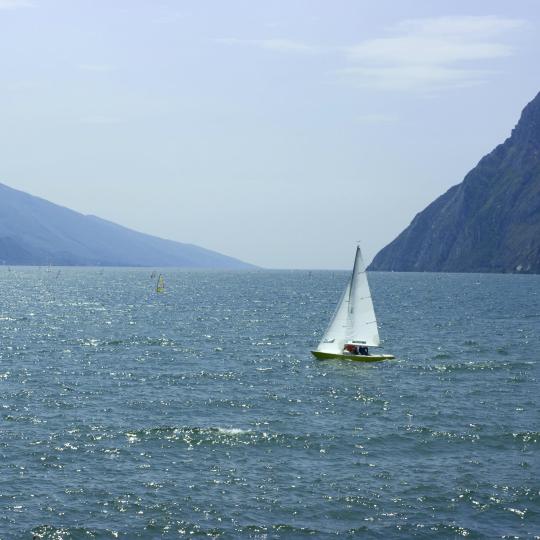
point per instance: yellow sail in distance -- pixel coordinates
(160, 287)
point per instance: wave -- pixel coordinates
(177, 529)
(524, 437)
(472, 366)
(219, 435)
(128, 342)
(232, 431)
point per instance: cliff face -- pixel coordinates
(34, 231)
(488, 223)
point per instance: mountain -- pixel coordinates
(34, 231)
(488, 223)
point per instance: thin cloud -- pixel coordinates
(430, 53)
(479, 25)
(15, 4)
(414, 77)
(416, 54)
(172, 18)
(277, 45)
(100, 120)
(96, 68)
(376, 119)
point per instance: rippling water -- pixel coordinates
(201, 413)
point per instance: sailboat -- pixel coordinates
(353, 328)
(160, 285)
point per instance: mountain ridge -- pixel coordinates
(34, 231)
(490, 222)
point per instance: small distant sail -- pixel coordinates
(160, 286)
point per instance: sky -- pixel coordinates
(280, 132)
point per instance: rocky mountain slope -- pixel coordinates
(488, 223)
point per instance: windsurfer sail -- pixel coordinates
(160, 285)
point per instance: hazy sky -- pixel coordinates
(278, 132)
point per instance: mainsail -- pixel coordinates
(354, 319)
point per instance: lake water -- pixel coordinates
(201, 413)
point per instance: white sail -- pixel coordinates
(354, 320)
(334, 338)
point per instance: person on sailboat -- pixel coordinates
(359, 350)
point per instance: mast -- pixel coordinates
(353, 277)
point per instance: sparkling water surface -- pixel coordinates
(200, 412)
